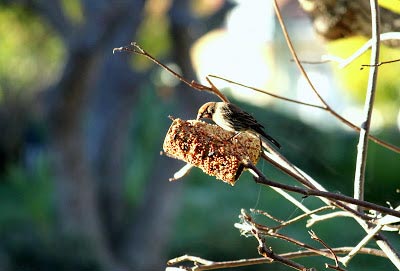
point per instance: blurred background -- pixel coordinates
(83, 185)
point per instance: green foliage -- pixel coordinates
(30, 52)
(26, 196)
(153, 34)
(27, 226)
(149, 126)
(73, 10)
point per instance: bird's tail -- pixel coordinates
(273, 141)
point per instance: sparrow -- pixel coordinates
(231, 118)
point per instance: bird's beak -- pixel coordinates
(203, 115)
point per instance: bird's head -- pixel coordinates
(206, 111)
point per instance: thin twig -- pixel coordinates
(362, 147)
(298, 243)
(189, 258)
(211, 265)
(380, 63)
(361, 244)
(294, 54)
(345, 62)
(280, 162)
(387, 248)
(181, 173)
(328, 109)
(302, 216)
(266, 252)
(258, 230)
(382, 242)
(135, 48)
(291, 199)
(260, 178)
(322, 100)
(267, 92)
(266, 214)
(387, 220)
(319, 218)
(293, 171)
(336, 267)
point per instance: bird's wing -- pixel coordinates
(244, 117)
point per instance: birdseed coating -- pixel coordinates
(211, 148)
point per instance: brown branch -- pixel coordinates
(252, 227)
(361, 244)
(280, 162)
(388, 36)
(302, 216)
(294, 54)
(283, 224)
(379, 64)
(303, 180)
(336, 267)
(135, 48)
(371, 137)
(267, 92)
(300, 244)
(329, 110)
(260, 178)
(269, 254)
(211, 265)
(266, 214)
(322, 100)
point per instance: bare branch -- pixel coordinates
(294, 54)
(328, 109)
(260, 178)
(266, 92)
(322, 100)
(345, 62)
(135, 48)
(181, 173)
(315, 237)
(254, 228)
(189, 258)
(380, 63)
(303, 178)
(360, 245)
(387, 220)
(319, 218)
(269, 254)
(211, 265)
(362, 147)
(291, 199)
(266, 214)
(311, 213)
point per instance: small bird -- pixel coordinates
(231, 118)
